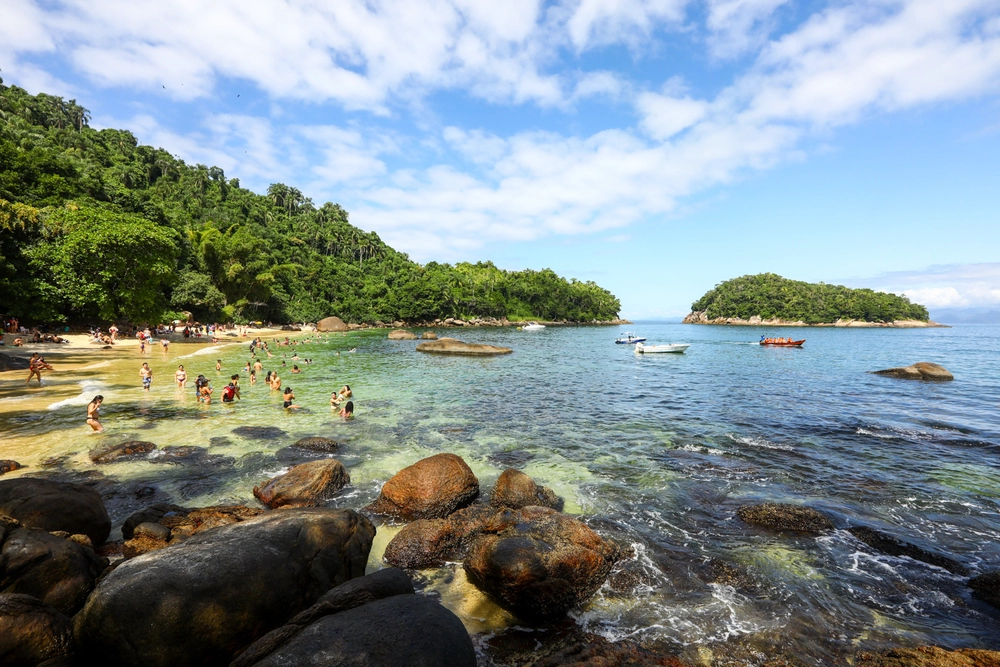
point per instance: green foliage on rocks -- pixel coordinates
(95, 225)
(770, 296)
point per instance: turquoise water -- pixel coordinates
(655, 451)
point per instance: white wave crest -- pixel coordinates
(204, 351)
(760, 443)
(88, 389)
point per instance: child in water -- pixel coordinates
(218, 365)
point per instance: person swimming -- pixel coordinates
(346, 391)
(296, 369)
(334, 400)
(348, 411)
(94, 413)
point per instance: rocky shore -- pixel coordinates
(337, 324)
(699, 317)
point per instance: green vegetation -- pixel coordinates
(93, 225)
(771, 296)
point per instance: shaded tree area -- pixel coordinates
(95, 225)
(771, 296)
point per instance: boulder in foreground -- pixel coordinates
(402, 334)
(457, 347)
(928, 656)
(786, 518)
(42, 503)
(305, 485)
(201, 602)
(58, 571)
(331, 324)
(922, 370)
(32, 631)
(430, 488)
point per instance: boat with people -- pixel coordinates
(677, 348)
(533, 326)
(781, 342)
(629, 339)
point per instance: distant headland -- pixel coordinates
(767, 299)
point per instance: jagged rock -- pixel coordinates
(429, 335)
(331, 324)
(201, 602)
(58, 571)
(786, 518)
(305, 485)
(31, 631)
(922, 370)
(317, 444)
(888, 544)
(539, 563)
(7, 465)
(457, 347)
(401, 334)
(514, 489)
(42, 503)
(258, 432)
(128, 449)
(430, 488)
(928, 656)
(986, 587)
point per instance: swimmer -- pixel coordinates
(218, 365)
(147, 376)
(253, 377)
(346, 392)
(257, 366)
(94, 413)
(235, 381)
(275, 382)
(334, 400)
(181, 377)
(247, 367)
(348, 411)
(288, 399)
(206, 392)
(296, 369)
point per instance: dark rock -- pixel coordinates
(888, 544)
(7, 525)
(922, 370)
(928, 656)
(457, 347)
(12, 362)
(58, 571)
(7, 465)
(53, 461)
(317, 444)
(515, 490)
(539, 563)
(986, 587)
(198, 520)
(203, 601)
(354, 593)
(512, 458)
(786, 518)
(124, 450)
(31, 631)
(430, 488)
(305, 485)
(153, 513)
(432, 542)
(258, 432)
(398, 630)
(156, 531)
(729, 574)
(42, 503)
(171, 452)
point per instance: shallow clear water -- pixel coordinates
(655, 451)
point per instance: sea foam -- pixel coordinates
(88, 389)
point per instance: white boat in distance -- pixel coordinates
(629, 339)
(657, 349)
(534, 326)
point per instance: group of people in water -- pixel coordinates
(773, 341)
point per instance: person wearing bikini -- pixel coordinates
(94, 413)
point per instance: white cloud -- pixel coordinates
(663, 116)
(944, 286)
(601, 22)
(739, 26)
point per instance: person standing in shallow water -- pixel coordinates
(146, 374)
(94, 413)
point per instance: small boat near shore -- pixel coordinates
(629, 339)
(781, 342)
(534, 326)
(676, 348)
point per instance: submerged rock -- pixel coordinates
(430, 488)
(58, 571)
(888, 544)
(317, 444)
(402, 334)
(922, 370)
(305, 485)
(986, 587)
(539, 563)
(258, 432)
(928, 656)
(31, 631)
(783, 517)
(124, 450)
(201, 602)
(457, 347)
(7, 465)
(515, 490)
(42, 503)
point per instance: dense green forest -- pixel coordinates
(95, 226)
(771, 296)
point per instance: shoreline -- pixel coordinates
(699, 317)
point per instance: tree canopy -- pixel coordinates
(770, 296)
(95, 225)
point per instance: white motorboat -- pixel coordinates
(641, 348)
(534, 326)
(629, 339)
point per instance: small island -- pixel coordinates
(770, 300)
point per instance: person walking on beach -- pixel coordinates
(33, 369)
(147, 376)
(94, 413)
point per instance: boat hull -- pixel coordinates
(791, 343)
(621, 341)
(677, 348)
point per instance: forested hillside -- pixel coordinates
(94, 225)
(770, 296)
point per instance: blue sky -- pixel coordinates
(657, 147)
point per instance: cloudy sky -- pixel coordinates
(655, 146)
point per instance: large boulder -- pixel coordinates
(306, 485)
(125, 450)
(430, 488)
(32, 631)
(201, 602)
(539, 563)
(433, 542)
(42, 503)
(429, 335)
(402, 334)
(986, 587)
(457, 347)
(786, 518)
(515, 490)
(398, 630)
(164, 524)
(928, 656)
(331, 324)
(58, 571)
(888, 544)
(922, 370)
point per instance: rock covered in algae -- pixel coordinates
(433, 487)
(783, 517)
(306, 485)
